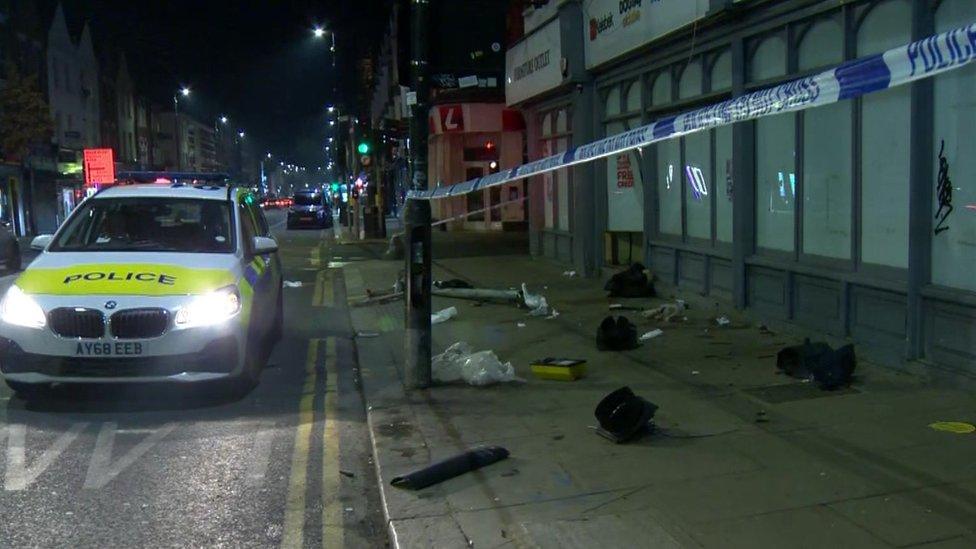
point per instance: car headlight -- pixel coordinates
(20, 309)
(211, 309)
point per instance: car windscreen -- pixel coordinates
(308, 199)
(148, 225)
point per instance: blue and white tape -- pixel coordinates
(921, 59)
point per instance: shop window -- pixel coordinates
(775, 182)
(547, 178)
(724, 186)
(612, 102)
(885, 137)
(661, 90)
(722, 72)
(625, 188)
(690, 84)
(668, 184)
(827, 181)
(633, 97)
(563, 188)
(954, 249)
(769, 58)
(698, 184)
(822, 45)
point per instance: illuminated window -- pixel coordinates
(885, 138)
(775, 182)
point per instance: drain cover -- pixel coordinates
(776, 394)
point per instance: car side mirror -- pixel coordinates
(41, 242)
(263, 245)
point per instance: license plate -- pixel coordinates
(97, 348)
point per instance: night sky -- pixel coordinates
(255, 61)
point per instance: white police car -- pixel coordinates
(147, 283)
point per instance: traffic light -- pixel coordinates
(335, 187)
(363, 147)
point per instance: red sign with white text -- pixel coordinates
(99, 166)
(452, 118)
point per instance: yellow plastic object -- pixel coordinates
(559, 369)
(957, 427)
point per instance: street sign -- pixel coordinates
(99, 166)
(452, 118)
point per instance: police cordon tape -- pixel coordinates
(476, 212)
(902, 65)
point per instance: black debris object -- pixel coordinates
(623, 415)
(616, 334)
(451, 467)
(630, 283)
(455, 283)
(829, 368)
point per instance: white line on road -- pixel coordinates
(19, 474)
(260, 456)
(101, 470)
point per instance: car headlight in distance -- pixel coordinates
(19, 309)
(210, 309)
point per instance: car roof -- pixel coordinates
(166, 190)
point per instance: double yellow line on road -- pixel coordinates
(333, 532)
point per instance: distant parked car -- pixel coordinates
(9, 248)
(310, 209)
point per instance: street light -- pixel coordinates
(240, 134)
(319, 32)
(185, 92)
(223, 120)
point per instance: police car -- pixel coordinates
(147, 283)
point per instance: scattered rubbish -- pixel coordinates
(764, 330)
(375, 299)
(761, 417)
(363, 335)
(399, 286)
(570, 274)
(461, 363)
(956, 427)
(521, 325)
(651, 335)
(613, 306)
(616, 334)
(630, 283)
(511, 473)
(450, 468)
(535, 302)
(723, 321)
(623, 415)
(553, 315)
(666, 312)
(395, 249)
(349, 509)
(559, 369)
(477, 294)
(292, 284)
(454, 283)
(348, 474)
(695, 372)
(558, 437)
(830, 368)
(443, 315)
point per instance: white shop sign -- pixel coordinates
(615, 27)
(533, 65)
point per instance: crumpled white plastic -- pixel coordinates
(443, 315)
(536, 303)
(461, 363)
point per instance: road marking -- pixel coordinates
(320, 279)
(333, 531)
(315, 256)
(19, 474)
(295, 503)
(101, 470)
(260, 456)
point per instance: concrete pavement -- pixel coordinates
(743, 457)
(288, 465)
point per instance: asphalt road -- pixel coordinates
(148, 466)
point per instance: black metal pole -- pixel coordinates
(417, 230)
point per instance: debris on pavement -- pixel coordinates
(761, 417)
(477, 294)
(375, 299)
(292, 284)
(443, 315)
(451, 467)
(613, 306)
(723, 321)
(623, 415)
(348, 474)
(666, 312)
(366, 335)
(521, 325)
(570, 274)
(651, 335)
(559, 369)
(616, 334)
(553, 315)
(630, 283)
(956, 427)
(455, 283)
(764, 330)
(830, 368)
(536, 303)
(695, 372)
(461, 363)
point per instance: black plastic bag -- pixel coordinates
(829, 368)
(616, 334)
(623, 415)
(799, 361)
(630, 283)
(450, 468)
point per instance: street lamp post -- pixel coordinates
(185, 92)
(417, 231)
